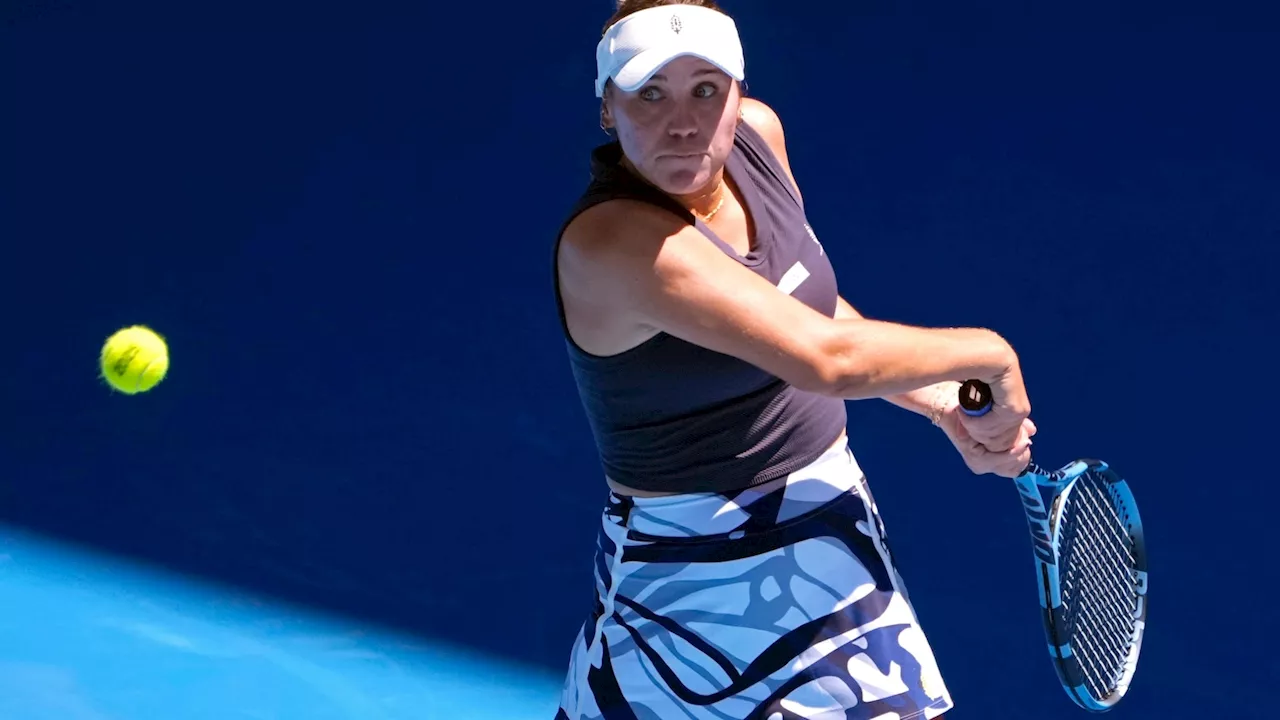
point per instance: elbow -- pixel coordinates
(841, 377)
(813, 378)
(837, 371)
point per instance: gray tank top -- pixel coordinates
(671, 416)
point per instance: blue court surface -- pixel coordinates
(91, 637)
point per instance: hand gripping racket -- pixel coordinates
(1090, 559)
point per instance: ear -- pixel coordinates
(606, 116)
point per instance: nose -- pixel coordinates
(683, 122)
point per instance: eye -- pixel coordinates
(706, 90)
(650, 94)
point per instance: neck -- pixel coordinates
(706, 201)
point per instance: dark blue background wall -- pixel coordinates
(341, 220)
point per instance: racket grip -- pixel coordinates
(975, 398)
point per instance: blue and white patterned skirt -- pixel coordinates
(777, 603)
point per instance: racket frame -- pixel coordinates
(1044, 498)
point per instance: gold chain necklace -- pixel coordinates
(716, 209)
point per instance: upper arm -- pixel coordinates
(639, 262)
(765, 121)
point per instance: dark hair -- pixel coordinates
(627, 7)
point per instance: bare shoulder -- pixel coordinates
(609, 263)
(614, 237)
(618, 223)
(764, 120)
(616, 252)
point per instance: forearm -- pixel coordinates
(877, 359)
(928, 400)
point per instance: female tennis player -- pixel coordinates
(742, 568)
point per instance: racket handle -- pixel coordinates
(975, 397)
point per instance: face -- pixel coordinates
(677, 129)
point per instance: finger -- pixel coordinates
(1009, 472)
(1008, 464)
(982, 461)
(994, 429)
(966, 443)
(1005, 442)
(1021, 461)
(1023, 442)
(988, 434)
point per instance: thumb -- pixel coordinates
(961, 432)
(962, 426)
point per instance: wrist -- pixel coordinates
(931, 401)
(940, 399)
(1002, 358)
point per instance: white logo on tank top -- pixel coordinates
(792, 278)
(812, 234)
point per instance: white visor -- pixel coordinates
(637, 46)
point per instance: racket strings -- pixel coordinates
(1096, 598)
(1098, 584)
(1098, 650)
(1093, 641)
(1095, 634)
(1117, 580)
(1103, 506)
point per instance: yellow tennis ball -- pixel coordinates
(134, 359)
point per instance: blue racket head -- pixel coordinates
(1091, 562)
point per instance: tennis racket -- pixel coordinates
(1091, 562)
